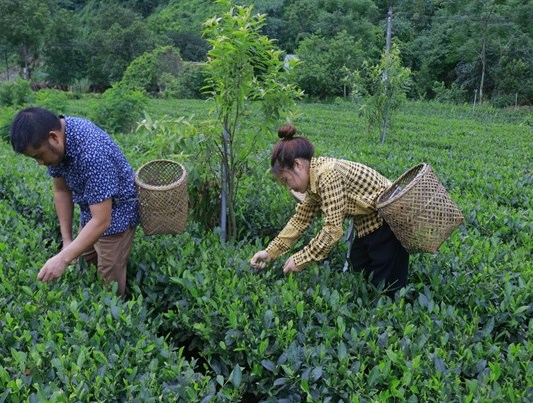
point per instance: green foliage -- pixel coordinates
(243, 66)
(15, 93)
(200, 324)
(24, 26)
(445, 42)
(189, 83)
(384, 86)
(65, 54)
(193, 144)
(75, 339)
(80, 86)
(452, 95)
(7, 114)
(115, 36)
(147, 72)
(515, 83)
(118, 110)
(181, 16)
(53, 100)
(192, 46)
(13, 96)
(459, 41)
(324, 62)
(294, 21)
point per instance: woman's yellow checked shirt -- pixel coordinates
(339, 189)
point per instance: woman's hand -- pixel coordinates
(290, 267)
(260, 259)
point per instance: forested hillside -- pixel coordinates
(456, 50)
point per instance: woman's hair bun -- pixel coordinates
(286, 131)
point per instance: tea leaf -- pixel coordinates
(236, 376)
(269, 365)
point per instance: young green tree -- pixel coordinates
(384, 87)
(244, 67)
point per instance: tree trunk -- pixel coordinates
(385, 123)
(224, 182)
(486, 20)
(26, 56)
(232, 221)
(483, 63)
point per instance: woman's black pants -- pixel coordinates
(382, 258)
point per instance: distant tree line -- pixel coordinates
(457, 51)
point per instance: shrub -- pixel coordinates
(7, 114)
(455, 94)
(16, 93)
(53, 100)
(144, 73)
(201, 325)
(191, 81)
(81, 86)
(119, 109)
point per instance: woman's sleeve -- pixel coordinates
(299, 222)
(333, 191)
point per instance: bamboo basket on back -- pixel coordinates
(419, 210)
(163, 198)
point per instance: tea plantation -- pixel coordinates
(200, 325)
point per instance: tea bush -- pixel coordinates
(74, 340)
(200, 324)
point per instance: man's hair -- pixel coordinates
(31, 127)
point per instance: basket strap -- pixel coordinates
(348, 238)
(122, 201)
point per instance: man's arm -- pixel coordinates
(64, 209)
(97, 225)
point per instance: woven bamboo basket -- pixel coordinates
(419, 210)
(163, 198)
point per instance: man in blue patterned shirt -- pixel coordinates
(88, 169)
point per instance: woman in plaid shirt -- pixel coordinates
(338, 189)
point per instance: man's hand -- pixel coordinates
(260, 259)
(52, 269)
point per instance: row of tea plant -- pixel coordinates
(200, 325)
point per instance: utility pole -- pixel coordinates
(388, 41)
(483, 58)
(486, 19)
(389, 29)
